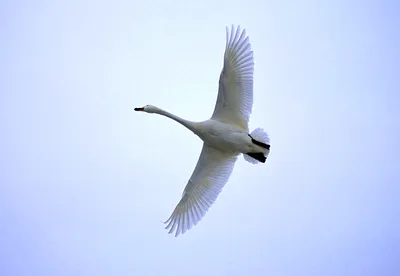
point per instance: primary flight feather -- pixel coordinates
(225, 134)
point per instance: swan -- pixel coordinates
(225, 135)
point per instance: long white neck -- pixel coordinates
(188, 124)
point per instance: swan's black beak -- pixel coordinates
(139, 108)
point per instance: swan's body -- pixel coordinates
(225, 135)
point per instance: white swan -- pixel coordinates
(225, 135)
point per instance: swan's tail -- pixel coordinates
(260, 138)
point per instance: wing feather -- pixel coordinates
(235, 94)
(209, 177)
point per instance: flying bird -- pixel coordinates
(225, 135)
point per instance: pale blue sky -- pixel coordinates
(85, 181)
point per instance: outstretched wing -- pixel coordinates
(235, 93)
(209, 177)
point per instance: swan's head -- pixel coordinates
(148, 108)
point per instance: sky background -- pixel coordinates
(86, 182)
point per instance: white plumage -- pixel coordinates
(235, 94)
(210, 175)
(225, 135)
